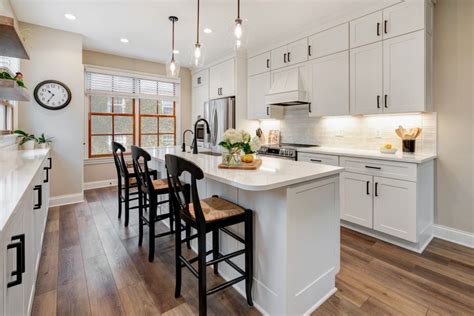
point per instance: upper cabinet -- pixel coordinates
(329, 42)
(200, 94)
(366, 30)
(201, 78)
(222, 80)
(259, 64)
(293, 53)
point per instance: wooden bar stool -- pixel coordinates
(126, 180)
(208, 215)
(148, 192)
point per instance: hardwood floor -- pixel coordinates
(92, 265)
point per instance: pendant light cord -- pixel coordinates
(197, 35)
(172, 44)
(238, 9)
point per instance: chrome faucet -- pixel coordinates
(208, 130)
(183, 146)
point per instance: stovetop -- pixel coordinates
(291, 145)
(284, 150)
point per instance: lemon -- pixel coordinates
(388, 146)
(247, 158)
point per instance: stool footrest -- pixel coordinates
(221, 257)
(233, 235)
(236, 267)
(189, 238)
(164, 234)
(225, 284)
(189, 266)
(194, 259)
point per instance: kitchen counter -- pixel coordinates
(274, 173)
(17, 170)
(371, 154)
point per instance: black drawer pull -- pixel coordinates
(50, 163)
(46, 180)
(316, 160)
(309, 50)
(288, 56)
(386, 102)
(284, 58)
(309, 108)
(376, 189)
(268, 63)
(385, 26)
(378, 102)
(368, 183)
(268, 111)
(38, 188)
(20, 259)
(371, 167)
(378, 28)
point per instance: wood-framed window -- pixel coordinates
(157, 123)
(6, 117)
(110, 119)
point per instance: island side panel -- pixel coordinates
(313, 243)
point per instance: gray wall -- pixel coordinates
(453, 97)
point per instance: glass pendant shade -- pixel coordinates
(198, 55)
(172, 68)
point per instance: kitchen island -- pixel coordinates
(296, 227)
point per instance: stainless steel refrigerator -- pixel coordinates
(220, 113)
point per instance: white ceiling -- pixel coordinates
(145, 22)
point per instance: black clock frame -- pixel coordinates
(51, 107)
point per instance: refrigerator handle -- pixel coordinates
(215, 128)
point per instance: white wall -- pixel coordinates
(56, 55)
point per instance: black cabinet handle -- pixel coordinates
(284, 58)
(367, 187)
(376, 189)
(372, 167)
(289, 57)
(268, 111)
(268, 63)
(38, 188)
(309, 108)
(46, 180)
(316, 160)
(378, 28)
(386, 102)
(309, 50)
(50, 163)
(378, 102)
(20, 259)
(199, 80)
(385, 22)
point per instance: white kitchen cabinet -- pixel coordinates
(293, 53)
(259, 64)
(201, 78)
(356, 198)
(404, 73)
(279, 57)
(329, 41)
(258, 87)
(395, 208)
(200, 97)
(405, 17)
(366, 30)
(366, 75)
(329, 78)
(222, 80)
(319, 158)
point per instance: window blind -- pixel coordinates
(130, 86)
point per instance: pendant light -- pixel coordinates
(197, 46)
(238, 27)
(173, 66)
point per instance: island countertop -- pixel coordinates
(273, 173)
(17, 170)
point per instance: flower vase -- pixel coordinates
(231, 158)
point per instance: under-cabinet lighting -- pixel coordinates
(124, 40)
(70, 16)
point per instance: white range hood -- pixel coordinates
(287, 88)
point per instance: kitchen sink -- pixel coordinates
(210, 153)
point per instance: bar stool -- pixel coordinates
(126, 181)
(208, 215)
(148, 192)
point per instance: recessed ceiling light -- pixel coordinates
(70, 16)
(207, 31)
(176, 51)
(124, 40)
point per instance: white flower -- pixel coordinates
(245, 136)
(232, 136)
(255, 144)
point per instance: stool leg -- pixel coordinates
(151, 229)
(127, 203)
(215, 248)
(202, 273)
(248, 255)
(140, 220)
(188, 234)
(177, 291)
(119, 195)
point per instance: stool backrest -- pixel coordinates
(140, 158)
(175, 167)
(120, 165)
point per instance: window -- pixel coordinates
(157, 123)
(110, 119)
(6, 117)
(123, 106)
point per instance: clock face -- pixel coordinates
(52, 95)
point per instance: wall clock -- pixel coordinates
(52, 94)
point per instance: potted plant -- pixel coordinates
(27, 141)
(44, 142)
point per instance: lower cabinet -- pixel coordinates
(20, 246)
(356, 198)
(319, 158)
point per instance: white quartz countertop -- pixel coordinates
(17, 170)
(371, 154)
(273, 173)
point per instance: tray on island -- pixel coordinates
(254, 165)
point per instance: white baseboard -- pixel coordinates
(99, 184)
(66, 199)
(454, 235)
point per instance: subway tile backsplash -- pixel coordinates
(361, 132)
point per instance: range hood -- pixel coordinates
(287, 89)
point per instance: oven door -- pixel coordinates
(200, 132)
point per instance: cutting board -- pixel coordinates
(243, 165)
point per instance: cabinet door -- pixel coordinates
(329, 42)
(356, 198)
(395, 208)
(201, 78)
(228, 78)
(279, 57)
(298, 52)
(366, 30)
(404, 73)
(215, 82)
(259, 64)
(258, 86)
(406, 17)
(366, 79)
(200, 97)
(330, 85)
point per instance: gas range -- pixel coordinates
(284, 150)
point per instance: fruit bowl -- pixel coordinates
(384, 150)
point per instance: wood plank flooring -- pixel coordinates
(92, 265)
